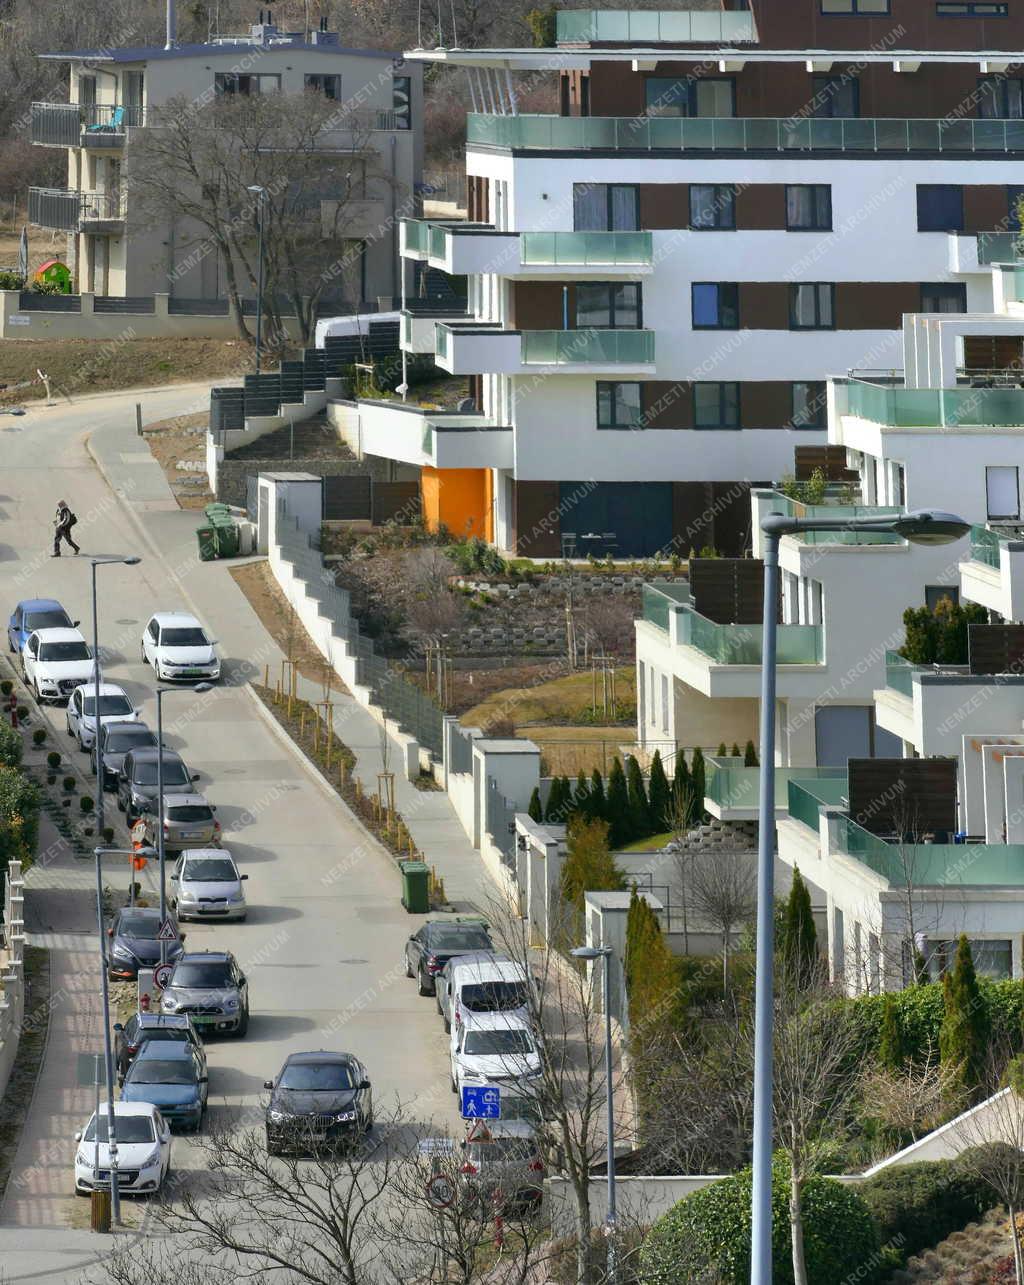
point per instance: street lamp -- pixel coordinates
(590, 953)
(261, 194)
(920, 526)
(129, 561)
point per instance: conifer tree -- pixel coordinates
(891, 1045)
(552, 812)
(799, 935)
(697, 775)
(598, 804)
(535, 808)
(639, 810)
(658, 797)
(963, 1035)
(617, 806)
(750, 755)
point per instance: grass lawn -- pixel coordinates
(654, 843)
(558, 702)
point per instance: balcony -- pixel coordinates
(776, 502)
(435, 438)
(667, 609)
(978, 252)
(479, 348)
(993, 574)
(103, 125)
(462, 249)
(898, 407)
(66, 211)
(652, 27)
(884, 136)
(732, 791)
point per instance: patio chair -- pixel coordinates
(112, 126)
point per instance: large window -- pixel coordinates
(605, 207)
(992, 957)
(712, 206)
(716, 405)
(863, 7)
(1002, 491)
(608, 305)
(812, 306)
(329, 86)
(715, 305)
(835, 96)
(618, 405)
(1001, 97)
(689, 96)
(940, 207)
(943, 296)
(810, 404)
(401, 101)
(246, 83)
(808, 207)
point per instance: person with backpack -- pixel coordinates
(63, 523)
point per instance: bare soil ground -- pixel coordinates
(173, 441)
(281, 622)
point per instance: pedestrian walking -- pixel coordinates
(62, 523)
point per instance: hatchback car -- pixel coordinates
(318, 1100)
(503, 1163)
(116, 739)
(430, 948)
(141, 1027)
(143, 1149)
(188, 823)
(177, 646)
(115, 707)
(133, 942)
(171, 1077)
(206, 884)
(137, 781)
(494, 1048)
(56, 661)
(33, 614)
(210, 988)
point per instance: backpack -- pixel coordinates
(71, 520)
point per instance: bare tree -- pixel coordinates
(910, 1101)
(723, 893)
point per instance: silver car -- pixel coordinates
(188, 823)
(206, 885)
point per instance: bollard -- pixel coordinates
(266, 676)
(100, 1211)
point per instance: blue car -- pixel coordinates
(33, 614)
(169, 1075)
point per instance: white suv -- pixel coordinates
(177, 646)
(115, 707)
(494, 1048)
(55, 662)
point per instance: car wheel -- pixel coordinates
(408, 965)
(425, 984)
(447, 1026)
(243, 1025)
(120, 804)
(85, 749)
(37, 693)
(455, 1087)
(78, 1189)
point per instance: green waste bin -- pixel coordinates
(414, 887)
(207, 537)
(217, 509)
(227, 538)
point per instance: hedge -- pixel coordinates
(20, 801)
(10, 746)
(918, 1205)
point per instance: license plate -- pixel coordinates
(205, 1019)
(193, 670)
(213, 910)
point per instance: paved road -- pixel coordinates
(325, 930)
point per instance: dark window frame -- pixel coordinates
(719, 286)
(960, 287)
(820, 84)
(615, 427)
(721, 424)
(612, 287)
(940, 187)
(318, 80)
(819, 402)
(795, 286)
(973, 9)
(855, 11)
(690, 98)
(718, 208)
(815, 226)
(998, 87)
(230, 82)
(402, 111)
(610, 206)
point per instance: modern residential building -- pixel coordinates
(115, 250)
(729, 206)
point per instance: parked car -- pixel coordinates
(188, 823)
(318, 1099)
(171, 1077)
(210, 988)
(493, 1048)
(205, 884)
(142, 1027)
(177, 646)
(133, 942)
(137, 781)
(115, 707)
(143, 1149)
(504, 1164)
(481, 983)
(430, 948)
(116, 739)
(33, 614)
(56, 661)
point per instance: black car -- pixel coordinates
(427, 951)
(318, 1101)
(142, 1027)
(137, 780)
(133, 942)
(116, 739)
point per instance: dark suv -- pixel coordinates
(142, 1027)
(116, 740)
(319, 1100)
(210, 987)
(137, 783)
(428, 950)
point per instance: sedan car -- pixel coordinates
(116, 739)
(56, 661)
(206, 884)
(188, 823)
(143, 1149)
(115, 707)
(210, 988)
(142, 1027)
(33, 614)
(133, 942)
(171, 1077)
(318, 1100)
(177, 646)
(138, 780)
(493, 1048)
(428, 950)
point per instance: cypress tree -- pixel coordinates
(735, 751)
(799, 935)
(639, 810)
(722, 751)
(535, 808)
(566, 800)
(891, 1045)
(552, 810)
(589, 865)
(963, 1035)
(681, 787)
(750, 755)
(697, 774)
(617, 806)
(598, 806)
(658, 796)
(581, 796)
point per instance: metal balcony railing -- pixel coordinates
(84, 124)
(68, 211)
(652, 26)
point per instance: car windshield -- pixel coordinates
(55, 619)
(155, 1070)
(190, 812)
(494, 997)
(108, 705)
(201, 975)
(176, 1033)
(502, 1150)
(312, 1077)
(121, 739)
(450, 939)
(209, 870)
(127, 1128)
(71, 650)
(490, 1042)
(183, 638)
(144, 927)
(175, 772)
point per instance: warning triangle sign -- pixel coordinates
(167, 932)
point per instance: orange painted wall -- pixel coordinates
(460, 498)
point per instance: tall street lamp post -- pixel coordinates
(129, 560)
(921, 526)
(261, 195)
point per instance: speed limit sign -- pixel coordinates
(440, 1191)
(162, 975)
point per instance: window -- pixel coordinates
(605, 207)
(1002, 492)
(618, 405)
(812, 306)
(1001, 97)
(716, 405)
(715, 305)
(87, 91)
(329, 86)
(608, 305)
(664, 702)
(940, 207)
(943, 296)
(712, 205)
(934, 594)
(991, 958)
(970, 9)
(809, 207)
(233, 82)
(689, 96)
(810, 404)
(862, 7)
(835, 96)
(401, 101)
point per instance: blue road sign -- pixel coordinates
(481, 1102)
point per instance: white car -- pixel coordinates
(55, 662)
(143, 1150)
(206, 884)
(115, 707)
(177, 646)
(494, 1048)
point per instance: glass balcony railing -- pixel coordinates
(999, 247)
(442, 340)
(417, 235)
(564, 347)
(899, 673)
(657, 602)
(741, 644)
(806, 792)
(936, 407)
(736, 786)
(837, 513)
(984, 546)
(652, 26)
(584, 248)
(1013, 284)
(886, 135)
(436, 241)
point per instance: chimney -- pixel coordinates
(172, 26)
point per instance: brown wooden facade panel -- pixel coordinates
(875, 305)
(761, 206)
(986, 207)
(664, 206)
(829, 458)
(995, 649)
(908, 797)
(537, 520)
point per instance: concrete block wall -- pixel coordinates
(12, 971)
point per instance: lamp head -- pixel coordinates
(590, 952)
(203, 687)
(930, 526)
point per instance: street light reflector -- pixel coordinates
(133, 561)
(203, 687)
(590, 952)
(930, 526)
